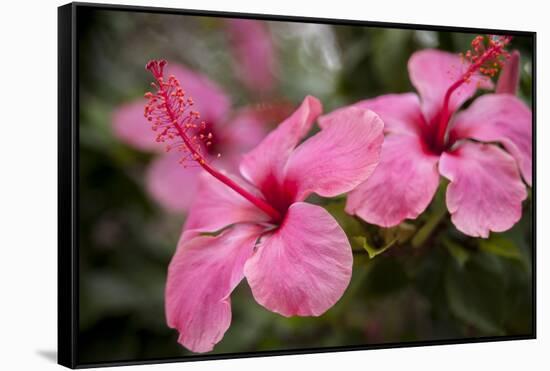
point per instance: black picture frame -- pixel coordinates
(68, 181)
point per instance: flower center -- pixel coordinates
(279, 195)
(211, 142)
(170, 112)
(487, 56)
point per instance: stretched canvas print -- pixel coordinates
(235, 185)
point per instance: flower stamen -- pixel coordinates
(171, 117)
(487, 56)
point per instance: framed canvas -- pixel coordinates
(241, 185)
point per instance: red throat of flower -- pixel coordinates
(169, 110)
(486, 56)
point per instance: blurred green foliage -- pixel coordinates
(422, 280)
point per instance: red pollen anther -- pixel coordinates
(487, 56)
(168, 110)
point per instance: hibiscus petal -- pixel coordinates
(253, 49)
(130, 126)
(304, 267)
(170, 184)
(208, 97)
(270, 156)
(244, 131)
(338, 158)
(201, 276)
(503, 118)
(508, 81)
(402, 185)
(216, 206)
(400, 112)
(432, 72)
(486, 191)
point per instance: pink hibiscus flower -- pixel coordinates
(254, 54)
(174, 189)
(426, 137)
(294, 255)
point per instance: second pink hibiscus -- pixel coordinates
(426, 137)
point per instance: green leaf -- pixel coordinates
(373, 251)
(500, 246)
(349, 224)
(438, 210)
(427, 229)
(459, 253)
(400, 233)
(476, 293)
